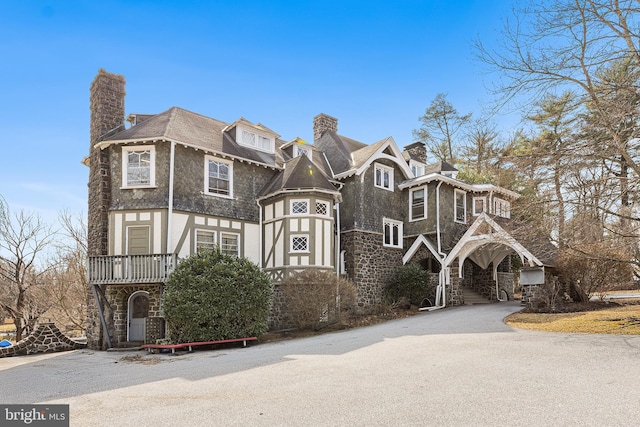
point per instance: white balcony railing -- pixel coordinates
(122, 269)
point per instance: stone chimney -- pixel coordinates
(417, 151)
(107, 116)
(323, 122)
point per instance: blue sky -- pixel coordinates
(374, 65)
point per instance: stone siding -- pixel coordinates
(417, 151)
(369, 265)
(323, 122)
(107, 112)
(118, 297)
(154, 329)
(47, 338)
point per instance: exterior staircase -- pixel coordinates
(472, 297)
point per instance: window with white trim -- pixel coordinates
(417, 169)
(383, 176)
(299, 150)
(460, 206)
(417, 208)
(230, 243)
(205, 240)
(257, 141)
(299, 207)
(392, 231)
(502, 208)
(479, 205)
(322, 208)
(299, 243)
(138, 166)
(218, 175)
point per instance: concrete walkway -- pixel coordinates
(459, 366)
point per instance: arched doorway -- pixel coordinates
(138, 311)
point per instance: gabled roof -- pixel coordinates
(256, 126)
(485, 242)
(348, 157)
(299, 173)
(196, 131)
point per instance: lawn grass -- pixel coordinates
(618, 320)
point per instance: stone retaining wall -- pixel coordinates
(47, 338)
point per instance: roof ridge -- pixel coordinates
(173, 112)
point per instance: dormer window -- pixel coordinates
(299, 150)
(256, 140)
(417, 169)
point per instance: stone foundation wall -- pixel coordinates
(506, 282)
(154, 329)
(279, 317)
(47, 338)
(530, 296)
(369, 264)
(118, 300)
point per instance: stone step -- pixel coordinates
(472, 297)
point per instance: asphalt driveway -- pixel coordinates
(458, 366)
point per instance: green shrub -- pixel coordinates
(213, 296)
(409, 282)
(310, 297)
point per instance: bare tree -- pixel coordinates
(440, 123)
(23, 239)
(66, 293)
(564, 44)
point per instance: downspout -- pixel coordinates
(338, 247)
(338, 260)
(440, 290)
(170, 209)
(495, 277)
(259, 234)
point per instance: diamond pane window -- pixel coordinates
(299, 243)
(299, 207)
(260, 142)
(322, 208)
(249, 138)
